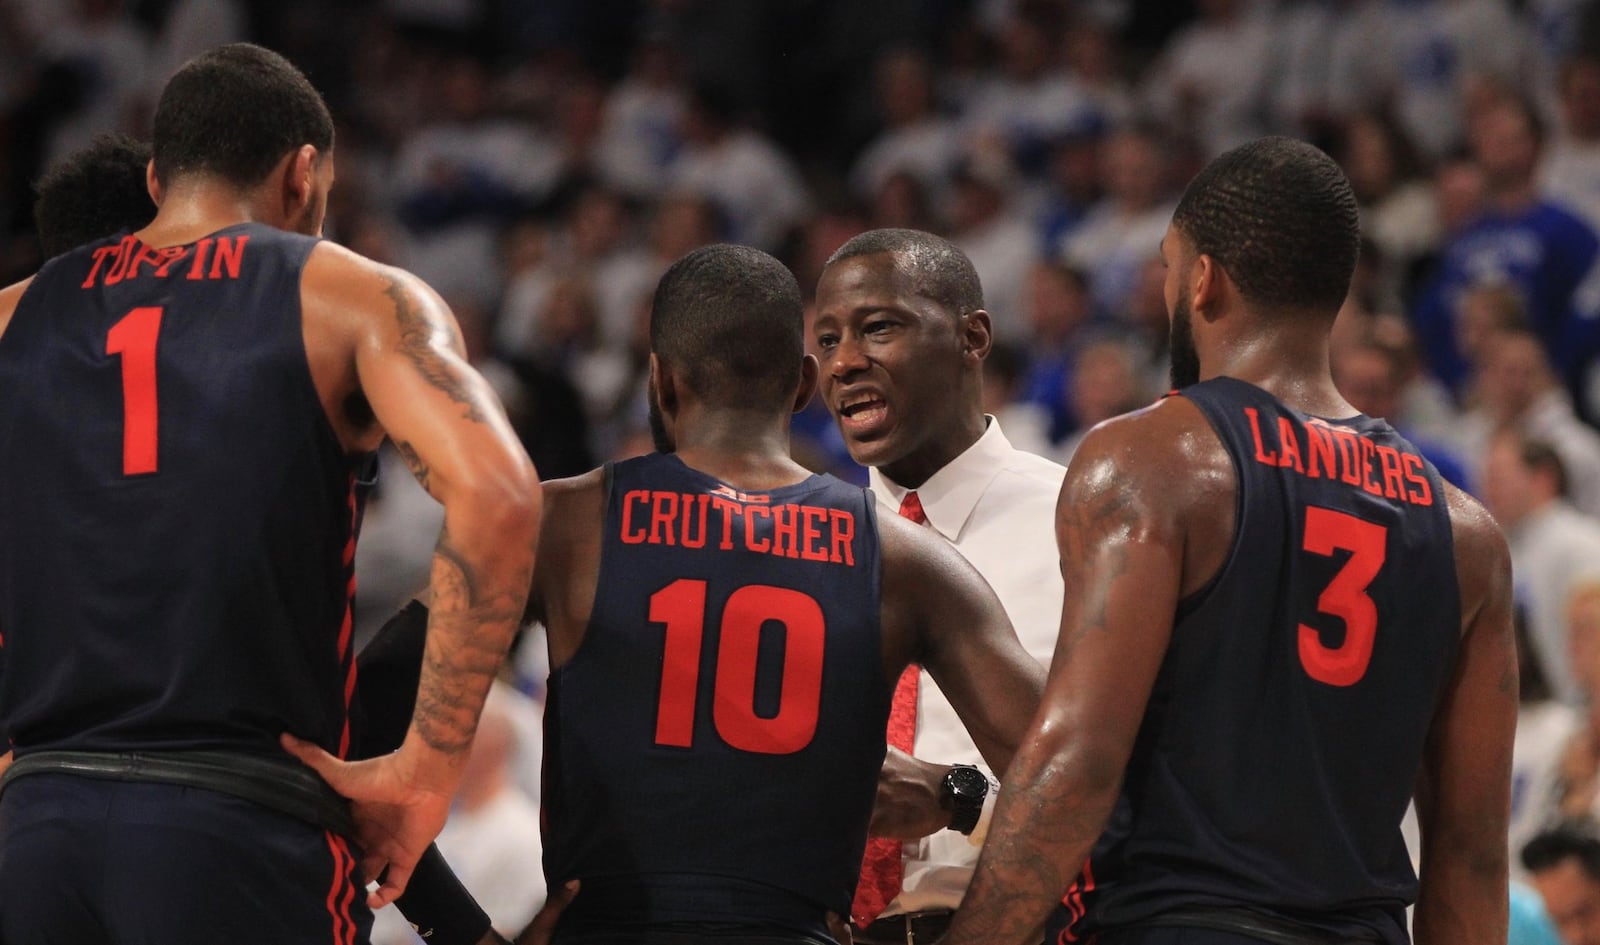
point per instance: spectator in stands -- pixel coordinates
(753, 184)
(1398, 210)
(1554, 548)
(1371, 378)
(1564, 863)
(1570, 171)
(1212, 81)
(1105, 382)
(1519, 239)
(1515, 387)
(1122, 231)
(988, 227)
(915, 138)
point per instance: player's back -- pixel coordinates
(176, 513)
(712, 747)
(1286, 727)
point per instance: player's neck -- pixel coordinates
(742, 451)
(1290, 363)
(191, 211)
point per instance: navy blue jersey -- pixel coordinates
(1285, 730)
(176, 514)
(712, 749)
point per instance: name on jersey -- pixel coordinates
(1319, 450)
(216, 257)
(702, 520)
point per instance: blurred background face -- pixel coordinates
(1583, 636)
(1057, 303)
(1503, 144)
(1515, 373)
(1509, 486)
(1104, 383)
(1580, 99)
(1368, 159)
(1135, 174)
(1573, 900)
(905, 92)
(1367, 379)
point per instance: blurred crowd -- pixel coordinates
(541, 162)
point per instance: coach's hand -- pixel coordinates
(396, 814)
(908, 805)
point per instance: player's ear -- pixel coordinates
(152, 183)
(809, 370)
(298, 187)
(1206, 286)
(666, 386)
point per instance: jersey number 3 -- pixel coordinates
(134, 337)
(1345, 596)
(681, 605)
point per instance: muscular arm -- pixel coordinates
(962, 636)
(9, 296)
(1464, 794)
(410, 367)
(1122, 534)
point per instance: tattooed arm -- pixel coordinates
(1464, 794)
(1122, 524)
(408, 363)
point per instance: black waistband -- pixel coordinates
(905, 929)
(286, 786)
(1268, 928)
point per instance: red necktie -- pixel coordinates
(882, 869)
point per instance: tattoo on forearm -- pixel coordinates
(471, 620)
(416, 342)
(419, 469)
(1020, 877)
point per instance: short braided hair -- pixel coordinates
(1281, 219)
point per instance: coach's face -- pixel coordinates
(892, 366)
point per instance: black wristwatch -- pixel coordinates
(963, 792)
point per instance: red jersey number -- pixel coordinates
(134, 338)
(681, 606)
(1345, 596)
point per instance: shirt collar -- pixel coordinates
(950, 495)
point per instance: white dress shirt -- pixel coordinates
(996, 504)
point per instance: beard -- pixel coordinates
(658, 425)
(1181, 355)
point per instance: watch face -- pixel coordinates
(967, 782)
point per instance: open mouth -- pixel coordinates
(861, 412)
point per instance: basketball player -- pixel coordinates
(184, 413)
(1279, 616)
(101, 190)
(725, 631)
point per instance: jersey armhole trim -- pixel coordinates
(1191, 603)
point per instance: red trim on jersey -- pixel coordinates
(1073, 900)
(348, 623)
(341, 893)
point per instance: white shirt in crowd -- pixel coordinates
(1553, 552)
(996, 504)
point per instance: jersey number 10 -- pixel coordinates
(681, 605)
(134, 338)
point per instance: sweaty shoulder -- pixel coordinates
(567, 567)
(1483, 560)
(339, 283)
(9, 297)
(1167, 469)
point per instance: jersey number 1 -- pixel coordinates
(1345, 596)
(134, 337)
(681, 605)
